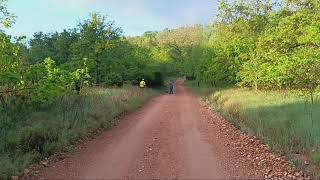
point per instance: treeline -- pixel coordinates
(109, 56)
(259, 43)
(95, 53)
(269, 45)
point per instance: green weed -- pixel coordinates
(55, 127)
(285, 121)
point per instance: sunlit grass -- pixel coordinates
(286, 121)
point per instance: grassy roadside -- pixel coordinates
(286, 122)
(55, 127)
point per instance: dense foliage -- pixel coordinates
(94, 53)
(256, 43)
(98, 44)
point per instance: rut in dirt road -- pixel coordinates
(171, 137)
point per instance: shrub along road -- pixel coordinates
(172, 136)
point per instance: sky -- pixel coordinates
(134, 16)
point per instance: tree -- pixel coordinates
(98, 37)
(55, 45)
(10, 65)
(6, 18)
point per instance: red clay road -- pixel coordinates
(171, 137)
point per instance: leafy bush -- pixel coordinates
(156, 80)
(114, 79)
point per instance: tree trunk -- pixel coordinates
(312, 97)
(256, 85)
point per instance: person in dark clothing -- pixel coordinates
(170, 87)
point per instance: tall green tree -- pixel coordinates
(98, 37)
(55, 45)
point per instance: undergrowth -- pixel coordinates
(286, 121)
(53, 128)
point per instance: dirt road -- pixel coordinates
(171, 137)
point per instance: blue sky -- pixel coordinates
(134, 16)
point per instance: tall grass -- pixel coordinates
(285, 121)
(54, 127)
